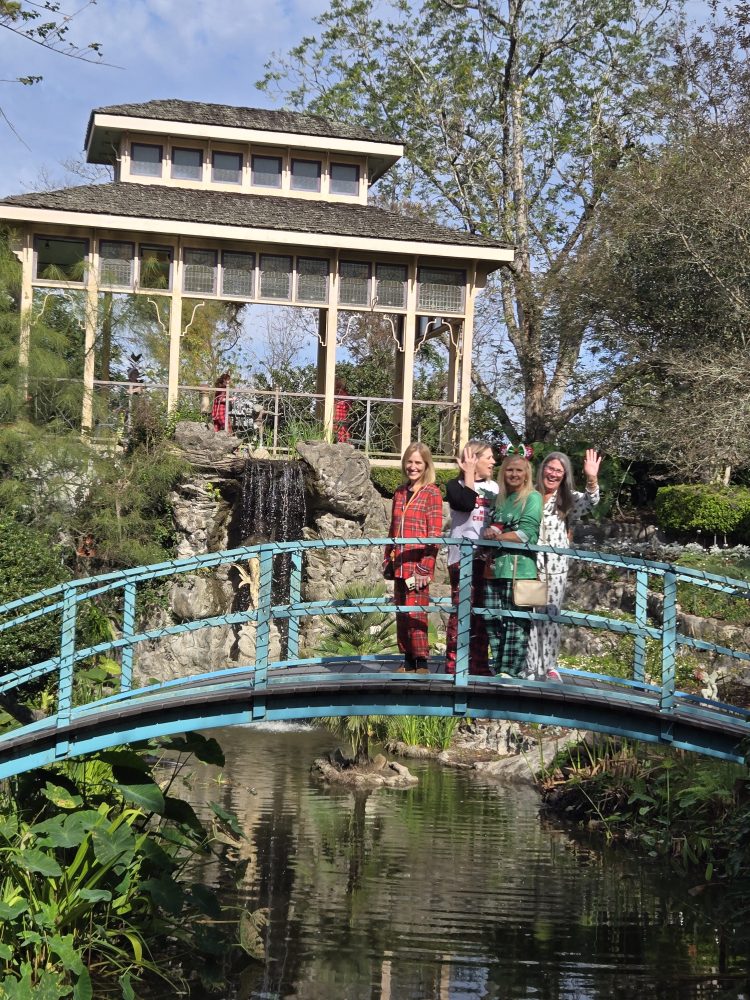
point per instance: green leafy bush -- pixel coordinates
(387, 481)
(698, 508)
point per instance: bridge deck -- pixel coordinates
(351, 687)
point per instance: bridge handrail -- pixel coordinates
(187, 564)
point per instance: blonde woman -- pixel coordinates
(417, 513)
(517, 517)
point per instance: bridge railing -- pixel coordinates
(63, 604)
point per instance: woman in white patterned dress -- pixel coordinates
(563, 506)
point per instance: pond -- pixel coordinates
(453, 890)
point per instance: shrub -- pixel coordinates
(386, 481)
(698, 508)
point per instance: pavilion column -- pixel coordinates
(27, 301)
(453, 386)
(328, 320)
(175, 331)
(467, 349)
(91, 317)
(405, 361)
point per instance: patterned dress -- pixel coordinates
(544, 641)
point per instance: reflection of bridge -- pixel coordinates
(301, 688)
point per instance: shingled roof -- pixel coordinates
(198, 113)
(157, 201)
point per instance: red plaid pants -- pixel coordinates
(478, 641)
(411, 626)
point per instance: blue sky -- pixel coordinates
(188, 49)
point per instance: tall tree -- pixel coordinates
(517, 116)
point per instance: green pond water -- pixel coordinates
(452, 890)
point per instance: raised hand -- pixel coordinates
(591, 464)
(467, 463)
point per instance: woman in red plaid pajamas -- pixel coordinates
(417, 513)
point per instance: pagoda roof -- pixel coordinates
(229, 116)
(351, 223)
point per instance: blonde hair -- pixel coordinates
(477, 446)
(526, 488)
(428, 476)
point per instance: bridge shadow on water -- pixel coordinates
(299, 687)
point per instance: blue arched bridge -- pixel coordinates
(81, 720)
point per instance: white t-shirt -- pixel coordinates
(471, 510)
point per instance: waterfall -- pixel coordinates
(274, 510)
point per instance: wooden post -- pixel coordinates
(467, 347)
(27, 300)
(91, 317)
(175, 331)
(406, 380)
(327, 351)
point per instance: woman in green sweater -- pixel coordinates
(517, 517)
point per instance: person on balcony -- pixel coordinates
(220, 408)
(563, 506)
(471, 497)
(517, 516)
(341, 407)
(417, 513)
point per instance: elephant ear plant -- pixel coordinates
(100, 876)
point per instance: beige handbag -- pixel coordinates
(531, 593)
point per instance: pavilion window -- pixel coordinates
(226, 168)
(305, 175)
(390, 286)
(156, 267)
(441, 289)
(344, 179)
(187, 164)
(354, 283)
(199, 271)
(266, 171)
(116, 263)
(238, 277)
(312, 280)
(60, 260)
(275, 277)
(145, 160)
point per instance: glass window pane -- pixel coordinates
(391, 285)
(267, 171)
(60, 260)
(116, 263)
(354, 284)
(239, 274)
(344, 179)
(441, 290)
(155, 267)
(227, 168)
(199, 271)
(305, 175)
(145, 160)
(187, 164)
(275, 277)
(312, 280)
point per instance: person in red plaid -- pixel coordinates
(417, 513)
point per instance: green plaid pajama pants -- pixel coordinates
(508, 637)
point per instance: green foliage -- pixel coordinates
(693, 809)
(360, 633)
(707, 603)
(435, 732)
(698, 508)
(387, 481)
(93, 859)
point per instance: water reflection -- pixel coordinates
(452, 890)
